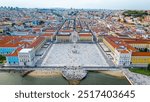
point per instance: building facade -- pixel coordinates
(6, 50)
(122, 57)
(128, 51)
(26, 57)
(141, 58)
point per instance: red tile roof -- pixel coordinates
(47, 34)
(37, 41)
(66, 31)
(117, 42)
(14, 41)
(142, 41)
(123, 51)
(15, 53)
(49, 30)
(141, 54)
(85, 34)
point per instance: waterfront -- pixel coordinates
(92, 78)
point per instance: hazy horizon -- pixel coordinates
(79, 4)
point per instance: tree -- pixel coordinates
(2, 58)
(13, 24)
(135, 13)
(41, 22)
(148, 67)
(146, 50)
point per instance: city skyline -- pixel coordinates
(58, 46)
(78, 4)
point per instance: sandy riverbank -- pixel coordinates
(74, 82)
(43, 73)
(113, 73)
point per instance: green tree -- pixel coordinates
(2, 58)
(146, 50)
(135, 13)
(148, 67)
(41, 22)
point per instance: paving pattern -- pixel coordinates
(80, 55)
(137, 79)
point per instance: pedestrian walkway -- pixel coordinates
(135, 78)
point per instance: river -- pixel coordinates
(92, 78)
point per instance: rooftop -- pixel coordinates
(15, 53)
(141, 54)
(25, 50)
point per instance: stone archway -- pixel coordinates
(74, 37)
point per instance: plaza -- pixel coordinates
(80, 54)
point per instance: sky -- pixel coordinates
(89, 4)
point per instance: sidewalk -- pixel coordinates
(136, 79)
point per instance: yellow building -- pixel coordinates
(63, 38)
(132, 45)
(107, 42)
(140, 45)
(140, 58)
(86, 37)
(48, 36)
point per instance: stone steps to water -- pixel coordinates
(74, 74)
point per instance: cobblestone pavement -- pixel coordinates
(136, 79)
(80, 55)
